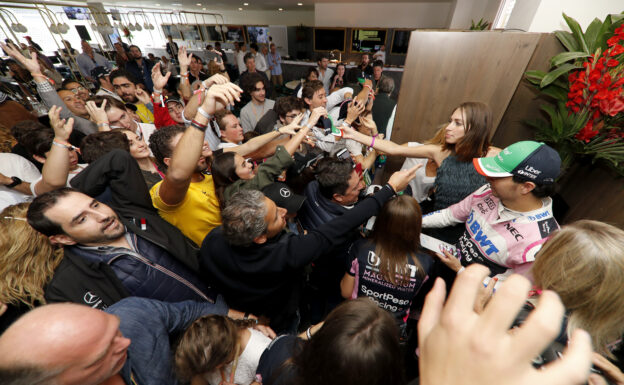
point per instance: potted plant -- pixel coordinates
(586, 88)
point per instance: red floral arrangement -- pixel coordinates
(599, 88)
(585, 93)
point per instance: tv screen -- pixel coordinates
(367, 40)
(235, 33)
(400, 42)
(76, 13)
(258, 35)
(326, 39)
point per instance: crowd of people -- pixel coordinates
(165, 224)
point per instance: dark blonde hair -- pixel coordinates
(396, 235)
(209, 342)
(27, 259)
(584, 263)
(477, 118)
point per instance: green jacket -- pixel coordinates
(267, 172)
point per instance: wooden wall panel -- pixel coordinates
(443, 69)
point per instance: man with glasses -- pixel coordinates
(259, 104)
(286, 109)
(125, 85)
(77, 89)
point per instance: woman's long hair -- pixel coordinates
(223, 171)
(357, 345)
(27, 259)
(209, 342)
(396, 235)
(584, 263)
(477, 118)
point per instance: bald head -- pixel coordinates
(71, 344)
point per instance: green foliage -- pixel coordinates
(561, 125)
(480, 26)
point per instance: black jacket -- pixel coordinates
(120, 173)
(261, 279)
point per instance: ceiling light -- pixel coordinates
(280, 9)
(198, 4)
(158, 5)
(300, 4)
(240, 9)
(245, 4)
(176, 4)
(203, 9)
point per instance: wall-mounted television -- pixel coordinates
(210, 33)
(235, 33)
(258, 35)
(172, 30)
(76, 13)
(400, 41)
(367, 40)
(329, 39)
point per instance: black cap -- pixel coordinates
(284, 197)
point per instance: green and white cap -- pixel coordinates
(529, 160)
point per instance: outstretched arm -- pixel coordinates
(56, 167)
(189, 149)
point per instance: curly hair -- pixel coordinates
(27, 259)
(286, 104)
(160, 144)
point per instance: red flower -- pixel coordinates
(587, 132)
(613, 41)
(612, 63)
(616, 50)
(612, 107)
(619, 30)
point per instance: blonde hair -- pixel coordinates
(584, 264)
(438, 137)
(27, 258)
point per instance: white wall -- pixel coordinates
(468, 10)
(549, 17)
(383, 15)
(268, 17)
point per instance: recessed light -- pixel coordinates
(158, 5)
(300, 4)
(203, 9)
(245, 4)
(240, 9)
(176, 4)
(280, 9)
(199, 4)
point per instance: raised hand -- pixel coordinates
(215, 79)
(32, 64)
(224, 94)
(354, 110)
(142, 96)
(97, 114)
(459, 346)
(62, 127)
(316, 115)
(183, 59)
(158, 79)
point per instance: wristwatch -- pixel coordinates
(16, 181)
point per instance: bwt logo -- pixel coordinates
(479, 236)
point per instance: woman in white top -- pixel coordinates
(216, 349)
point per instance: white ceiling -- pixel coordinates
(254, 5)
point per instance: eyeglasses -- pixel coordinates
(77, 89)
(250, 162)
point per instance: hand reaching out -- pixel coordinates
(354, 110)
(62, 127)
(97, 114)
(400, 179)
(142, 96)
(158, 79)
(32, 64)
(293, 127)
(459, 346)
(215, 79)
(224, 94)
(316, 115)
(183, 59)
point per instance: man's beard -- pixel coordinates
(130, 98)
